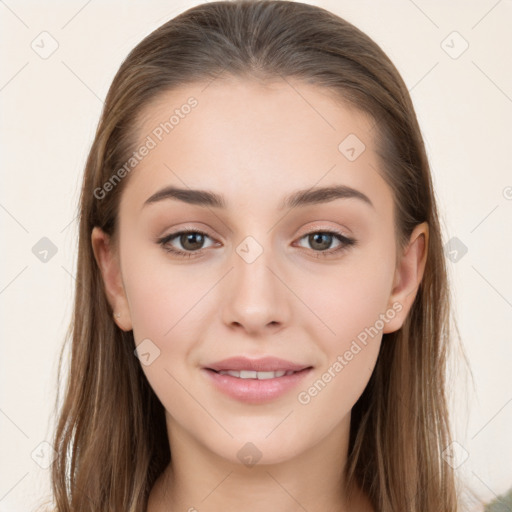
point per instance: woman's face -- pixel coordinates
(263, 276)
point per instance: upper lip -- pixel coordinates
(264, 364)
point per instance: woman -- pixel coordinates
(261, 318)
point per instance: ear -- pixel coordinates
(108, 262)
(408, 276)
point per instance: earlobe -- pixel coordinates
(108, 263)
(408, 276)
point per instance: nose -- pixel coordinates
(255, 298)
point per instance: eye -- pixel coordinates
(321, 241)
(190, 240)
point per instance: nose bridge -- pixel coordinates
(254, 297)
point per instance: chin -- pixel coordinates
(252, 448)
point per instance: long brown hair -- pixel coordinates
(111, 435)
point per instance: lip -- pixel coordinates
(255, 391)
(263, 364)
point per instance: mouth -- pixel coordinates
(263, 365)
(258, 375)
(256, 387)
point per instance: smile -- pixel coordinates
(255, 387)
(249, 374)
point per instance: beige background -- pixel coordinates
(50, 107)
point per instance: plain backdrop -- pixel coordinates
(455, 58)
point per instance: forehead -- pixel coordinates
(250, 139)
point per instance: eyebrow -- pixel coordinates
(296, 199)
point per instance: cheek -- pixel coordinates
(350, 334)
(352, 305)
(350, 297)
(170, 305)
(163, 306)
(160, 294)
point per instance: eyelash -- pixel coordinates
(164, 241)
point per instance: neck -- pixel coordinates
(198, 479)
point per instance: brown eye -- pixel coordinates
(189, 242)
(321, 242)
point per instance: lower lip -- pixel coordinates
(255, 391)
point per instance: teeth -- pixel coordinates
(248, 374)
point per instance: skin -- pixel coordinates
(255, 143)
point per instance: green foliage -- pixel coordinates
(502, 503)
